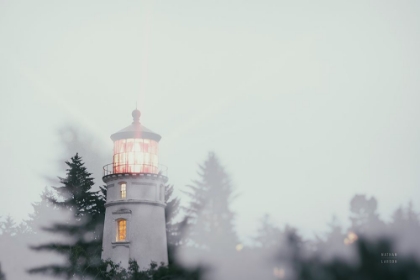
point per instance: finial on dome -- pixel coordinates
(136, 115)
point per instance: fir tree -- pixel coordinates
(76, 190)
(83, 229)
(210, 217)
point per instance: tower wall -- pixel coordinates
(144, 210)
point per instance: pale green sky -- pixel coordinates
(306, 102)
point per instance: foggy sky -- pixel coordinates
(306, 103)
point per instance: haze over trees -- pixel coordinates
(83, 227)
(210, 219)
(202, 241)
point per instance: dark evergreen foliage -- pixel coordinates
(336, 258)
(366, 264)
(84, 233)
(76, 191)
(210, 226)
(83, 229)
(110, 271)
(161, 271)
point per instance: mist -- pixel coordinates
(306, 105)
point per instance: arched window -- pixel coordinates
(123, 190)
(121, 230)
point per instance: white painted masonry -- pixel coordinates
(143, 208)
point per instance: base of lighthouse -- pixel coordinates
(135, 226)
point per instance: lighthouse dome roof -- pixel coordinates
(136, 130)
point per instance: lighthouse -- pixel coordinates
(135, 226)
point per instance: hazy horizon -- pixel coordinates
(306, 104)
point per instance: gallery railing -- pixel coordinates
(114, 168)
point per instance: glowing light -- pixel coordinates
(239, 247)
(136, 156)
(122, 230)
(351, 237)
(278, 273)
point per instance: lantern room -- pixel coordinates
(135, 150)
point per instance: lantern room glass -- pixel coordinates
(136, 155)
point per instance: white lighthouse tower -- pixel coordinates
(135, 205)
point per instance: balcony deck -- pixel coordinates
(134, 169)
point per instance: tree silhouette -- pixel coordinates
(367, 263)
(155, 271)
(333, 244)
(83, 229)
(8, 227)
(364, 218)
(210, 217)
(268, 235)
(405, 229)
(171, 211)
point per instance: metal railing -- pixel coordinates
(125, 168)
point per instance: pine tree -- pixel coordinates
(76, 190)
(210, 216)
(83, 229)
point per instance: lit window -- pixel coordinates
(121, 230)
(123, 191)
